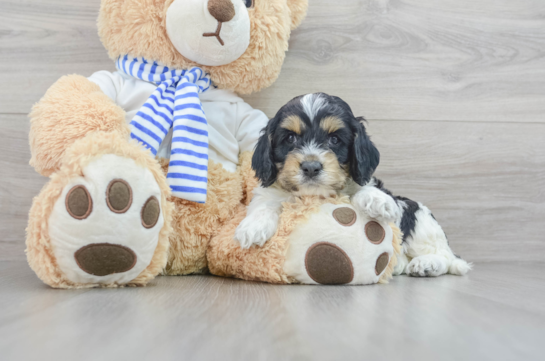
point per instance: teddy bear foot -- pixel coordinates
(339, 245)
(100, 220)
(104, 227)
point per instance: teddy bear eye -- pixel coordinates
(249, 3)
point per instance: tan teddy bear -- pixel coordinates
(147, 163)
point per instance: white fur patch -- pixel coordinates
(377, 204)
(428, 250)
(312, 103)
(261, 221)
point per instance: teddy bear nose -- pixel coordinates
(222, 10)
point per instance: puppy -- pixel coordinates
(315, 146)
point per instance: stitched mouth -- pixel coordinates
(216, 34)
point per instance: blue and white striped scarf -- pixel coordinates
(174, 104)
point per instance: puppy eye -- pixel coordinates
(292, 138)
(333, 140)
(249, 3)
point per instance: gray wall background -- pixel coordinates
(454, 91)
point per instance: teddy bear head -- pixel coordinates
(240, 43)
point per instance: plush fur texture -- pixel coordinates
(137, 27)
(82, 152)
(194, 224)
(56, 123)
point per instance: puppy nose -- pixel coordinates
(222, 10)
(311, 169)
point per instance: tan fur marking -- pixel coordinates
(287, 175)
(336, 175)
(331, 124)
(294, 124)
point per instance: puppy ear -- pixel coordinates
(365, 156)
(263, 161)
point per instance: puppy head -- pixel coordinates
(312, 145)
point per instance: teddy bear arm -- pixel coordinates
(70, 109)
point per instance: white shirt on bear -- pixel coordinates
(233, 125)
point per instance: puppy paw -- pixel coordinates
(430, 265)
(255, 231)
(377, 204)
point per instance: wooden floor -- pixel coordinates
(454, 91)
(495, 313)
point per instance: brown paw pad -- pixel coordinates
(327, 264)
(375, 233)
(345, 216)
(119, 196)
(382, 263)
(78, 202)
(102, 259)
(150, 212)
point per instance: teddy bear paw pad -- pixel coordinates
(339, 245)
(327, 264)
(105, 226)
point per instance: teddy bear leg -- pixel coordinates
(103, 219)
(339, 245)
(194, 224)
(70, 109)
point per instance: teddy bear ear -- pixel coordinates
(298, 11)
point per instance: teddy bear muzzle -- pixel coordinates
(209, 32)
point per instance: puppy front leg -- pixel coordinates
(377, 204)
(262, 217)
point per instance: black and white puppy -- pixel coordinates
(316, 146)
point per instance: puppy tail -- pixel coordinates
(460, 267)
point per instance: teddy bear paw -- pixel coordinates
(339, 245)
(104, 228)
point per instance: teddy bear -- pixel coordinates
(147, 163)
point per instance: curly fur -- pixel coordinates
(194, 224)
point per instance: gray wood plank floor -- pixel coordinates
(495, 313)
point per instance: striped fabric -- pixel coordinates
(174, 104)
